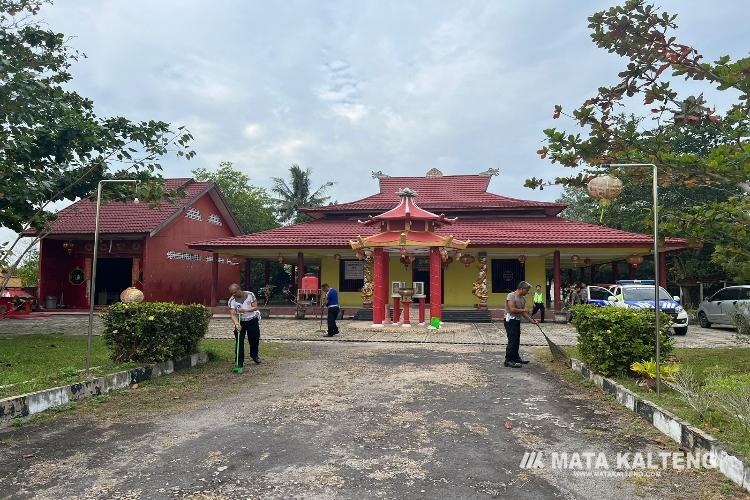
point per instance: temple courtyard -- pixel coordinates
(343, 420)
(287, 329)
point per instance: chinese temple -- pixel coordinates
(462, 245)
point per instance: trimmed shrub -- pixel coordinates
(611, 339)
(152, 332)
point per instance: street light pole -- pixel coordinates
(657, 288)
(92, 285)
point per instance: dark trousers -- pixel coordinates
(333, 314)
(513, 331)
(252, 329)
(538, 306)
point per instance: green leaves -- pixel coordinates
(297, 194)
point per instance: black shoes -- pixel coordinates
(257, 360)
(512, 364)
(523, 361)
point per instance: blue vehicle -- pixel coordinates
(639, 294)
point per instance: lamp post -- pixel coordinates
(657, 289)
(92, 285)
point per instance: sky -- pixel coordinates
(350, 87)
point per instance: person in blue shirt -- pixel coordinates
(332, 301)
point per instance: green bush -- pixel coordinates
(610, 339)
(154, 331)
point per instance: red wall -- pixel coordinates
(55, 266)
(186, 281)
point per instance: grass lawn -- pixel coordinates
(729, 361)
(31, 363)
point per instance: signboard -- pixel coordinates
(354, 270)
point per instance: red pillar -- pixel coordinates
(266, 272)
(407, 321)
(300, 269)
(421, 310)
(663, 269)
(556, 279)
(396, 309)
(631, 271)
(215, 280)
(386, 287)
(615, 271)
(436, 267)
(378, 287)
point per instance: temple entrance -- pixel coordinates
(113, 275)
(421, 272)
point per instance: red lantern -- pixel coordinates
(574, 259)
(635, 260)
(522, 259)
(403, 252)
(587, 261)
(337, 256)
(467, 260)
(360, 254)
(444, 254)
(280, 259)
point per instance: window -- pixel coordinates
(598, 293)
(214, 219)
(507, 274)
(351, 275)
(744, 294)
(726, 294)
(193, 213)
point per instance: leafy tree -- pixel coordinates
(693, 144)
(54, 146)
(252, 206)
(297, 194)
(28, 271)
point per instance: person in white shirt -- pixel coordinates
(243, 309)
(515, 309)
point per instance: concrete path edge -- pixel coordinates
(36, 402)
(689, 437)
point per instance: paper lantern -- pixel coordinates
(605, 187)
(337, 256)
(467, 260)
(280, 259)
(360, 254)
(522, 259)
(635, 260)
(68, 246)
(131, 295)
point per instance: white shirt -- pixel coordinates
(520, 303)
(234, 304)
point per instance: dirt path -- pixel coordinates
(338, 421)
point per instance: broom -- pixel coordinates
(237, 368)
(557, 352)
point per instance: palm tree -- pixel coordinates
(296, 194)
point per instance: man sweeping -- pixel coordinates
(332, 301)
(515, 309)
(243, 309)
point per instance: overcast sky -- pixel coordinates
(348, 87)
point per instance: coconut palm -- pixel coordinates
(297, 194)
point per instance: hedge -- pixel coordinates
(152, 332)
(610, 339)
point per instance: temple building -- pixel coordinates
(464, 246)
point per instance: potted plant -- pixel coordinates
(265, 292)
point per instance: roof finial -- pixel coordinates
(378, 174)
(406, 193)
(491, 172)
(434, 172)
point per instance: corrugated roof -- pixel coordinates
(450, 192)
(527, 232)
(125, 217)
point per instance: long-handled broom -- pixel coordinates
(237, 368)
(557, 352)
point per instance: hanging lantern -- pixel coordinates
(360, 254)
(443, 254)
(467, 260)
(68, 246)
(280, 259)
(368, 252)
(587, 261)
(447, 261)
(404, 259)
(635, 260)
(522, 259)
(337, 256)
(412, 258)
(605, 187)
(403, 252)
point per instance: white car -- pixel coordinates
(639, 294)
(727, 306)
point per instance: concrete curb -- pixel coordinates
(689, 437)
(36, 402)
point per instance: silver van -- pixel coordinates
(728, 306)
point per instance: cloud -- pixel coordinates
(252, 131)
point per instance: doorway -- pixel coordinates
(421, 272)
(113, 275)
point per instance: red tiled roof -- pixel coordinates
(435, 193)
(527, 232)
(124, 217)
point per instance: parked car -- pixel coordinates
(639, 294)
(726, 307)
